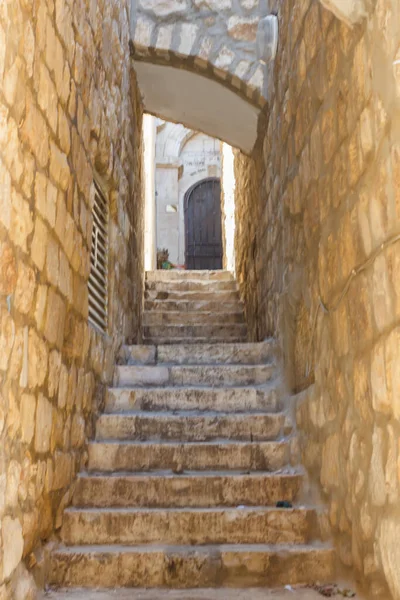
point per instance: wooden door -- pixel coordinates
(203, 229)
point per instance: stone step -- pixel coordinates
(235, 399)
(164, 341)
(196, 456)
(192, 296)
(184, 275)
(182, 375)
(189, 489)
(138, 354)
(239, 566)
(229, 332)
(162, 317)
(189, 526)
(302, 593)
(190, 426)
(190, 306)
(192, 285)
(198, 354)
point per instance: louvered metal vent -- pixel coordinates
(98, 279)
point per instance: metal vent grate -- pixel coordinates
(98, 278)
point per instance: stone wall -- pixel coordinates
(318, 209)
(68, 108)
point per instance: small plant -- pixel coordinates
(162, 258)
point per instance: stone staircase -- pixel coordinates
(191, 456)
(182, 307)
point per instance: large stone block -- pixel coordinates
(330, 469)
(243, 28)
(35, 133)
(28, 411)
(37, 360)
(13, 541)
(21, 221)
(59, 168)
(8, 270)
(389, 550)
(44, 424)
(25, 289)
(55, 319)
(377, 487)
(47, 96)
(164, 8)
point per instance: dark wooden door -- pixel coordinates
(203, 229)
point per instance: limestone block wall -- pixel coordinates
(214, 37)
(68, 108)
(318, 261)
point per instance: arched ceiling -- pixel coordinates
(198, 103)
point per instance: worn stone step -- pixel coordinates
(192, 296)
(165, 341)
(190, 306)
(191, 526)
(190, 426)
(235, 399)
(189, 489)
(198, 354)
(196, 456)
(302, 593)
(191, 332)
(162, 317)
(137, 354)
(227, 353)
(192, 285)
(185, 274)
(182, 375)
(239, 566)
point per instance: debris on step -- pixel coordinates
(331, 590)
(284, 504)
(346, 593)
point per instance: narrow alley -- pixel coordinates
(199, 299)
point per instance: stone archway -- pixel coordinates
(196, 64)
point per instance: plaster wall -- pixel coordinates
(150, 216)
(166, 201)
(318, 259)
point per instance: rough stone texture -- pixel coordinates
(317, 200)
(296, 593)
(179, 496)
(68, 107)
(192, 290)
(202, 566)
(351, 11)
(193, 398)
(113, 456)
(188, 526)
(220, 36)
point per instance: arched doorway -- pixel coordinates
(203, 229)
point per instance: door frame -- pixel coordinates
(186, 203)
